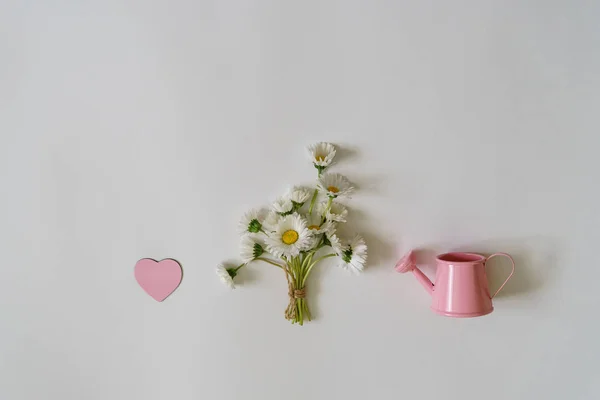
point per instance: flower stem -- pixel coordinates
(306, 261)
(313, 201)
(268, 261)
(315, 263)
(240, 266)
(326, 210)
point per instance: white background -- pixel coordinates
(135, 129)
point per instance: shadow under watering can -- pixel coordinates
(461, 287)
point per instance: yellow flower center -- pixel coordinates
(289, 237)
(314, 227)
(333, 189)
(320, 158)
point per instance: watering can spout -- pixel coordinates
(409, 263)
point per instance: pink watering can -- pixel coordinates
(461, 288)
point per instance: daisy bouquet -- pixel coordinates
(299, 231)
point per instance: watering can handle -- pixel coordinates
(511, 273)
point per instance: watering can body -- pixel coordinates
(461, 286)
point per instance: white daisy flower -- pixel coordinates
(226, 275)
(251, 248)
(298, 196)
(283, 206)
(335, 185)
(316, 226)
(290, 237)
(271, 221)
(354, 255)
(314, 241)
(337, 212)
(250, 222)
(334, 242)
(321, 154)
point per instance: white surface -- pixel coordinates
(144, 129)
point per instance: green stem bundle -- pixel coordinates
(297, 271)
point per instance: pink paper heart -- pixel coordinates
(158, 279)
